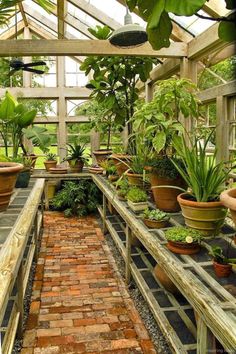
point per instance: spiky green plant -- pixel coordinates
(204, 176)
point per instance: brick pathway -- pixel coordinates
(79, 301)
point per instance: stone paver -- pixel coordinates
(79, 302)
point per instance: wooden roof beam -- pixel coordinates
(62, 47)
(10, 33)
(21, 7)
(206, 43)
(215, 8)
(69, 19)
(60, 19)
(95, 13)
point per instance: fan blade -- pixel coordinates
(36, 63)
(36, 71)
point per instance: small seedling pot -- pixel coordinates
(222, 270)
(137, 207)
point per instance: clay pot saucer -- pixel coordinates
(58, 170)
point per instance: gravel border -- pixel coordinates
(151, 325)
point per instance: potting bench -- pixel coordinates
(20, 227)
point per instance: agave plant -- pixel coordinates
(204, 176)
(76, 152)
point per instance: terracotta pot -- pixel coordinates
(121, 161)
(183, 247)
(154, 224)
(101, 155)
(228, 198)
(165, 280)
(222, 270)
(207, 217)
(166, 198)
(76, 167)
(8, 175)
(50, 164)
(33, 159)
(135, 179)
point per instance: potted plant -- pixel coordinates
(50, 161)
(221, 263)
(102, 120)
(206, 179)
(122, 187)
(137, 199)
(183, 240)
(135, 173)
(159, 121)
(110, 170)
(114, 82)
(155, 218)
(76, 157)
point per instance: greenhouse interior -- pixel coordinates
(117, 176)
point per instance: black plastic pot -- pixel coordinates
(23, 179)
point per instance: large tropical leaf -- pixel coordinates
(39, 137)
(159, 36)
(7, 107)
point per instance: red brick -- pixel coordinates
(80, 303)
(49, 332)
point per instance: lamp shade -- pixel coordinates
(128, 35)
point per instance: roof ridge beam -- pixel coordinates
(77, 47)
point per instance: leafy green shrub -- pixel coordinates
(166, 168)
(77, 198)
(137, 195)
(155, 214)
(183, 234)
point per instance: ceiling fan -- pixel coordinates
(18, 64)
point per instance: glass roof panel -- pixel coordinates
(193, 24)
(82, 16)
(11, 23)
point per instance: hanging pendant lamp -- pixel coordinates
(129, 35)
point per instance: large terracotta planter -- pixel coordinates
(207, 217)
(8, 175)
(183, 247)
(76, 167)
(166, 198)
(135, 179)
(50, 164)
(101, 155)
(163, 278)
(228, 198)
(121, 161)
(222, 270)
